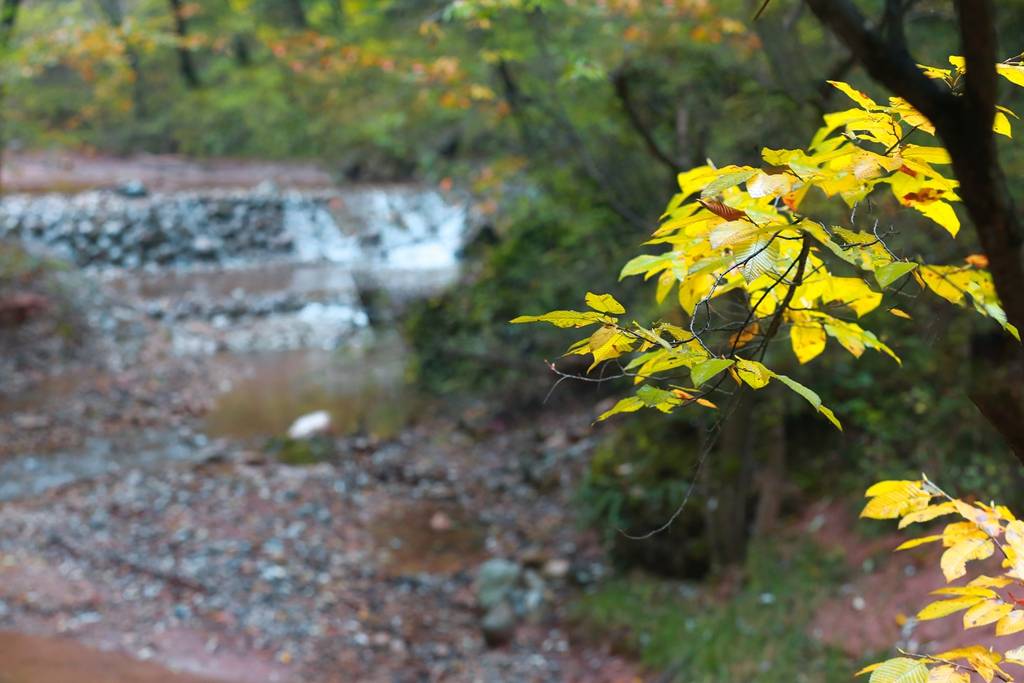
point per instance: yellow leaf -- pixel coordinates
(665, 283)
(900, 670)
(963, 652)
(900, 313)
(892, 499)
(991, 581)
(957, 532)
(1001, 125)
(1011, 623)
(808, 341)
(608, 343)
(855, 339)
(733, 234)
(738, 340)
(769, 185)
(928, 514)
(1015, 655)
(927, 155)
(947, 674)
(604, 303)
(693, 289)
(914, 542)
(564, 318)
(869, 668)
(1015, 537)
(856, 95)
(986, 613)
(975, 591)
(954, 561)
(987, 666)
(943, 214)
(892, 485)
(753, 373)
(1011, 72)
(985, 662)
(943, 608)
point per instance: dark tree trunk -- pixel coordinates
(115, 16)
(240, 47)
(729, 484)
(964, 124)
(8, 18)
(771, 471)
(186, 67)
(338, 15)
(296, 13)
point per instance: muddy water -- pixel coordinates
(365, 390)
(428, 537)
(29, 659)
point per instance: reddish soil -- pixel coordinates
(28, 659)
(874, 612)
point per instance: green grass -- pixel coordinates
(759, 634)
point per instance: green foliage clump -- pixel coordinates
(460, 339)
(635, 482)
(301, 451)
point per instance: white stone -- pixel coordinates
(311, 424)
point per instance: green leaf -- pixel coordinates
(653, 397)
(643, 264)
(809, 395)
(891, 272)
(605, 303)
(630, 404)
(701, 373)
(563, 318)
(730, 179)
(900, 670)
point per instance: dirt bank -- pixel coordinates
(77, 172)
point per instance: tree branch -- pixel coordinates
(889, 64)
(8, 15)
(979, 42)
(185, 65)
(964, 124)
(620, 81)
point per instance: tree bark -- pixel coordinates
(771, 472)
(729, 483)
(296, 13)
(964, 124)
(115, 16)
(186, 67)
(620, 83)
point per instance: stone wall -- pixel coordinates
(106, 229)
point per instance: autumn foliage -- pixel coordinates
(979, 532)
(749, 233)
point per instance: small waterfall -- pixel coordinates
(408, 229)
(315, 234)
